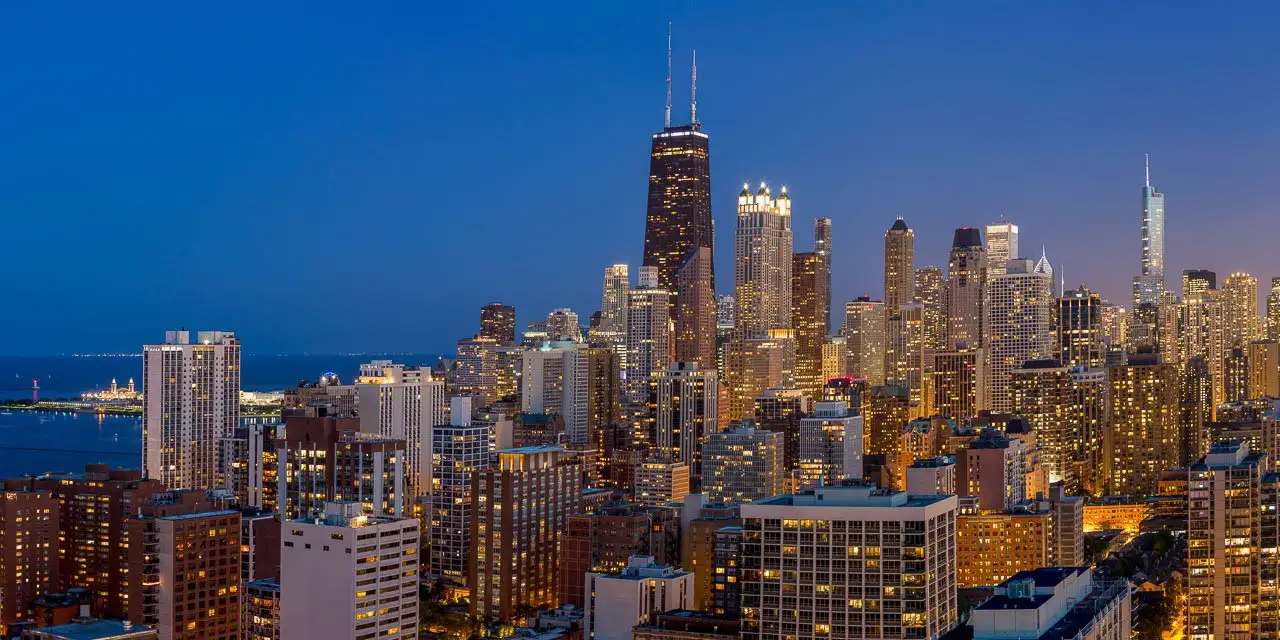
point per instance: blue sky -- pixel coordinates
(324, 177)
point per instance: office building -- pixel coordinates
(1240, 305)
(363, 569)
(1197, 282)
(687, 397)
(649, 340)
(660, 481)
(1142, 426)
(864, 339)
(899, 289)
(1018, 325)
(755, 365)
(954, 383)
(887, 413)
(1273, 311)
(1078, 336)
(563, 324)
(323, 458)
(762, 263)
(780, 411)
(695, 312)
(1002, 246)
(966, 281)
(1224, 533)
(476, 368)
(833, 359)
(459, 449)
(498, 323)
(1263, 357)
(1148, 285)
(830, 445)
(184, 566)
(605, 539)
(521, 507)
(881, 551)
(614, 302)
(29, 549)
(931, 295)
(810, 301)
(1044, 392)
(742, 464)
(619, 601)
(192, 401)
(1068, 603)
(575, 381)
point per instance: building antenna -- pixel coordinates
(693, 93)
(668, 125)
(1148, 170)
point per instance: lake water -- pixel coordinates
(36, 442)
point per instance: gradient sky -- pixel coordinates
(329, 177)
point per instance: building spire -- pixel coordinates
(1148, 169)
(668, 122)
(693, 93)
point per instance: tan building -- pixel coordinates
(1240, 302)
(1264, 369)
(184, 561)
(864, 339)
(742, 464)
(899, 289)
(755, 365)
(833, 359)
(695, 313)
(966, 281)
(522, 507)
(955, 382)
(698, 542)
(1142, 426)
(1018, 324)
(810, 299)
(660, 481)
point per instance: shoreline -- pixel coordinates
(125, 411)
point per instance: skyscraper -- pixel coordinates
(954, 384)
(830, 445)
(762, 262)
(809, 302)
(1240, 303)
(678, 218)
(696, 309)
(1044, 392)
(403, 403)
(648, 333)
(931, 295)
(1197, 281)
(742, 464)
(562, 324)
(687, 410)
(1273, 310)
(1149, 284)
(822, 247)
(1078, 335)
(192, 402)
(966, 280)
(1142, 427)
(1002, 246)
(498, 321)
(613, 311)
(899, 289)
(1018, 326)
(864, 337)
(460, 448)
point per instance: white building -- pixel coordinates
(348, 576)
(649, 333)
(830, 445)
(762, 263)
(572, 380)
(613, 312)
(1066, 603)
(1017, 325)
(192, 402)
(1002, 246)
(404, 403)
(618, 602)
(872, 551)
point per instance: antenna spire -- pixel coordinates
(693, 93)
(1148, 169)
(668, 122)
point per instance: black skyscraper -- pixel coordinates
(679, 213)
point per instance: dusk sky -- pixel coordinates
(337, 177)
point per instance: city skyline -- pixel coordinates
(151, 186)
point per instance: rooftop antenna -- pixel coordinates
(668, 125)
(693, 94)
(1148, 170)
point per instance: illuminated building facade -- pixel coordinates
(1044, 392)
(476, 368)
(260, 610)
(742, 464)
(1078, 333)
(754, 365)
(899, 289)
(29, 549)
(1148, 285)
(605, 539)
(678, 218)
(1263, 357)
(648, 334)
(954, 382)
(1240, 304)
(1018, 325)
(660, 481)
(687, 398)
(192, 402)
(810, 300)
(862, 535)
(1273, 311)
(250, 467)
(833, 359)
(644, 588)
(1197, 281)
(695, 313)
(498, 322)
(563, 324)
(966, 281)
(1002, 246)
(931, 295)
(402, 403)
(459, 449)
(830, 445)
(614, 303)
(864, 339)
(1142, 426)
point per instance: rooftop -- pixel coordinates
(96, 630)
(860, 495)
(205, 514)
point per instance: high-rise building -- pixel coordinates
(899, 289)
(833, 359)
(966, 281)
(1197, 281)
(29, 549)
(1002, 246)
(906, 338)
(1204, 335)
(648, 334)
(1018, 324)
(687, 397)
(563, 324)
(1044, 392)
(633, 596)
(822, 247)
(695, 312)
(1195, 409)
(932, 476)
(678, 217)
(888, 411)
(577, 382)
(1149, 285)
(780, 411)
(521, 507)
(830, 445)
(614, 303)
(402, 403)
(995, 545)
(192, 401)
(931, 295)
(810, 302)
(184, 566)
(498, 322)
(476, 372)
(460, 448)
(1078, 337)
(1224, 533)
(364, 569)
(250, 469)
(914, 539)
(260, 609)
(1142, 425)
(754, 365)
(954, 383)
(864, 339)
(1235, 373)
(762, 263)
(993, 468)
(1273, 310)
(1240, 304)
(742, 464)
(659, 481)
(1263, 357)
(605, 539)
(322, 459)
(1052, 602)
